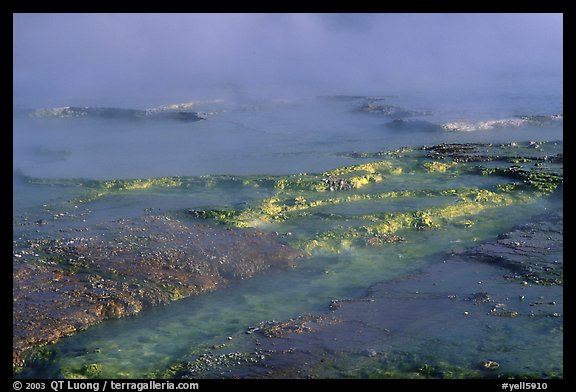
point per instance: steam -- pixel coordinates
(142, 60)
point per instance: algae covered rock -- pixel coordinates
(388, 199)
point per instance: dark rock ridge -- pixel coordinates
(61, 286)
(119, 114)
(531, 252)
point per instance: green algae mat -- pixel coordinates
(330, 235)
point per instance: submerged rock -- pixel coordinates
(298, 325)
(79, 282)
(532, 252)
(479, 298)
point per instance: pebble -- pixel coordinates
(490, 365)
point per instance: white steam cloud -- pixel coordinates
(139, 60)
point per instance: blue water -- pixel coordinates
(268, 136)
(274, 136)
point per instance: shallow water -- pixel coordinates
(137, 346)
(301, 136)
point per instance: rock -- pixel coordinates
(149, 261)
(390, 111)
(479, 298)
(533, 255)
(97, 112)
(490, 365)
(119, 114)
(334, 183)
(298, 325)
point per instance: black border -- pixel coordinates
(431, 6)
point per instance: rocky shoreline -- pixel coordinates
(78, 282)
(64, 282)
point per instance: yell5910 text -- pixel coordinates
(523, 385)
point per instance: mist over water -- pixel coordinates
(261, 74)
(142, 60)
(279, 94)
